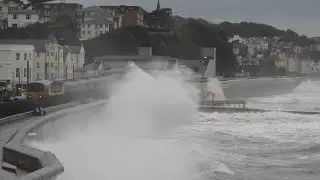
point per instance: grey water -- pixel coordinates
(151, 129)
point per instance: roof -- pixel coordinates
(60, 2)
(23, 11)
(44, 82)
(11, 1)
(75, 49)
(91, 9)
(99, 21)
(66, 50)
(100, 15)
(124, 7)
(38, 43)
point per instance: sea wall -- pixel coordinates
(41, 165)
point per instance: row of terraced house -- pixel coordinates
(26, 60)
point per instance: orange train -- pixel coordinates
(76, 89)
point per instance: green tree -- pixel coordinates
(160, 18)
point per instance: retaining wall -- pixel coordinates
(42, 165)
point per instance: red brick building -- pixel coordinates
(127, 15)
(50, 11)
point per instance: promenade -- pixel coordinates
(6, 132)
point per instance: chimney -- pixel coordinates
(145, 51)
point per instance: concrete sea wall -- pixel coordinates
(41, 165)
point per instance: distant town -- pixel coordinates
(32, 58)
(303, 59)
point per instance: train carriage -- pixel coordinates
(48, 92)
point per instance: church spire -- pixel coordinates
(158, 5)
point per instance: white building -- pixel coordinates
(94, 21)
(3, 11)
(69, 62)
(7, 7)
(22, 18)
(78, 56)
(237, 38)
(47, 62)
(94, 28)
(14, 62)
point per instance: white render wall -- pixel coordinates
(89, 31)
(69, 66)
(21, 20)
(82, 58)
(38, 66)
(4, 11)
(54, 59)
(15, 57)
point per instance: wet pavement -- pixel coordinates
(6, 132)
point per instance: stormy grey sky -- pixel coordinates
(299, 15)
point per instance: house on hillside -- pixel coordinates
(21, 18)
(94, 28)
(7, 6)
(12, 5)
(127, 15)
(3, 11)
(237, 38)
(51, 10)
(93, 21)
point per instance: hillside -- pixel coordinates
(182, 39)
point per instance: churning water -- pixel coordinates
(150, 129)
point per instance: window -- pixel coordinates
(51, 65)
(48, 54)
(0, 8)
(52, 54)
(47, 6)
(89, 32)
(101, 25)
(25, 56)
(83, 25)
(106, 25)
(101, 32)
(17, 72)
(10, 9)
(38, 65)
(28, 16)
(89, 25)
(29, 56)
(47, 13)
(15, 16)
(38, 76)
(17, 56)
(25, 72)
(15, 25)
(83, 32)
